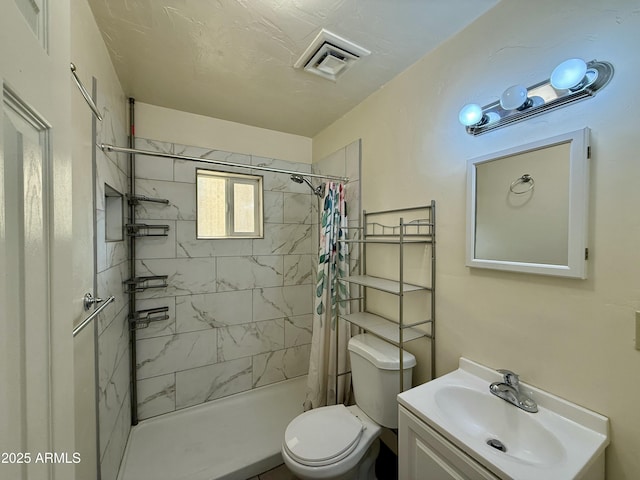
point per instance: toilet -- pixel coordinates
(341, 443)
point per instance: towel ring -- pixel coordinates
(526, 178)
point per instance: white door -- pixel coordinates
(36, 308)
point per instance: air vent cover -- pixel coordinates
(330, 55)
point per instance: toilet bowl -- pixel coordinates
(330, 442)
(341, 443)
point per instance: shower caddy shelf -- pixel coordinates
(140, 284)
(143, 318)
(136, 199)
(420, 231)
(139, 319)
(145, 230)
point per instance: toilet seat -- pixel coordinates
(323, 436)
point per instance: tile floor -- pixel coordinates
(386, 468)
(279, 473)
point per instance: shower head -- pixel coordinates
(319, 190)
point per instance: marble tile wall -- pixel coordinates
(239, 309)
(346, 162)
(114, 413)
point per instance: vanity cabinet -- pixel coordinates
(448, 426)
(425, 454)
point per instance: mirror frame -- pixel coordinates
(579, 154)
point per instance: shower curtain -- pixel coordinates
(333, 262)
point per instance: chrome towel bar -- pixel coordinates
(95, 313)
(85, 93)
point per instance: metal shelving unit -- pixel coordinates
(418, 231)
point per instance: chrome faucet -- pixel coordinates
(509, 391)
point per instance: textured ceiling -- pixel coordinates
(233, 59)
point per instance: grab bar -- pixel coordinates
(85, 94)
(93, 315)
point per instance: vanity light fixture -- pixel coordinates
(570, 74)
(571, 81)
(470, 114)
(515, 98)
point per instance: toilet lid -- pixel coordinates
(323, 436)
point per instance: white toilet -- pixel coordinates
(339, 442)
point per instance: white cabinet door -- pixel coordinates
(425, 454)
(427, 464)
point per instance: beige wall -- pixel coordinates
(173, 126)
(574, 338)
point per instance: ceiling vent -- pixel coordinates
(330, 55)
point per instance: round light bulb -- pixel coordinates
(568, 74)
(513, 97)
(470, 114)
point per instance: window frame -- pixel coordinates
(231, 179)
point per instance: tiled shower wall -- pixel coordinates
(114, 411)
(239, 309)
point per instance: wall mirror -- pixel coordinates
(527, 207)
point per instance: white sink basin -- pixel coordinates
(561, 441)
(480, 417)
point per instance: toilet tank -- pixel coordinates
(375, 365)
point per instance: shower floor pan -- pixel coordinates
(232, 438)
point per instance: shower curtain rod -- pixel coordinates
(112, 148)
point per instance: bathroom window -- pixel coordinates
(229, 205)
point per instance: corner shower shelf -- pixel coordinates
(139, 284)
(144, 230)
(142, 318)
(136, 199)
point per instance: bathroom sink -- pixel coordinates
(562, 440)
(479, 416)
